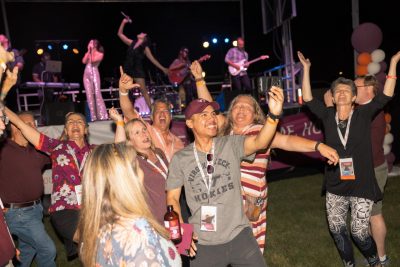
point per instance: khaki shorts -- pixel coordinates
(381, 174)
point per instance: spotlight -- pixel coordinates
(214, 40)
(206, 44)
(226, 40)
(203, 74)
(39, 51)
(50, 47)
(234, 43)
(65, 46)
(75, 51)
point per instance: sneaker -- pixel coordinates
(386, 262)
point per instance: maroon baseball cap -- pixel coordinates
(197, 106)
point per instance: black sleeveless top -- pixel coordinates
(134, 60)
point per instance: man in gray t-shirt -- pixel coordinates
(209, 169)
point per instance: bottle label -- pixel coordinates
(174, 229)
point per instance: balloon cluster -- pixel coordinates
(366, 39)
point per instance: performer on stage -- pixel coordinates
(184, 80)
(92, 82)
(137, 50)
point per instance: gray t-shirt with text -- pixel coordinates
(225, 191)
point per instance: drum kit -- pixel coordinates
(164, 92)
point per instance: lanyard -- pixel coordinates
(344, 138)
(163, 143)
(208, 185)
(163, 173)
(72, 153)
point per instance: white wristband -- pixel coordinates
(122, 93)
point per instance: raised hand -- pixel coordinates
(114, 114)
(9, 81)
(304, 61)
(275, 101)
(196, 69)
(126, 82)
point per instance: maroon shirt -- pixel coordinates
(21, 172)
(378, 129)
(154, 184)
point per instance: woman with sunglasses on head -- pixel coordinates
(151, 160)
(68, 156)
(116, 226)
(352, 184)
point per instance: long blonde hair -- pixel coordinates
(111, 189)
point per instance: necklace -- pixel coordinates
(342, 124)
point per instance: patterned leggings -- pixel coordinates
(337, 208)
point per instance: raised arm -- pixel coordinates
(306, 86)
(202, 90)
(153, 60)
(30, 133)
(120, 135)
(9, 82)
(391, 77)
(121, 34)
(260, 141)
(125, 84)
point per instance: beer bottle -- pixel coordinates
(171, 222)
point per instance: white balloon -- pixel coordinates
(389, 127)
(388, 139)
(377, 55)
(374, 68)
(386, 149)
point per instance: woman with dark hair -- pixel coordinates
(134, 65)
(68, 156)
(92, 82)
(352, 184)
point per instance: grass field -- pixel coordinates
(297, 232)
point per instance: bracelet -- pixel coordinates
(199, 79)
(391, 77)
(272, 121)
(317, 145)
(200, 83)
(273, 116)
(122, 93)
(120, 123)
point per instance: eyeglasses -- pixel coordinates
(210, 167)
(5, 119)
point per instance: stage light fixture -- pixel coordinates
(234, 43)
(206, 44)
(39, 51)
(226, 40)
(203, 74)
(75, 51)
(50, 47)
(65, 46)
(214, 40)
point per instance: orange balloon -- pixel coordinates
(388, 117)
(361, 70)
(364, 58)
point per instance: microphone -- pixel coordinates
(127, 17)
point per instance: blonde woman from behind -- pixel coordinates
(116, 227)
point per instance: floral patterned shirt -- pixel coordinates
(133, 242)
(66, 160)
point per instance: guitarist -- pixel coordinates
(181, 67)
(235, 55)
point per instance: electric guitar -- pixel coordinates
(244, 65)
(178, 76)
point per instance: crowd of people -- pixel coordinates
(108, 200)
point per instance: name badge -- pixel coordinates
(78, 192)
(346, 169)
(208, 219)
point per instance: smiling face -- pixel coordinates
(75, 127)
(161, 116)
(343, 95)
(243, 112)
(204, 124)
(138, 136)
